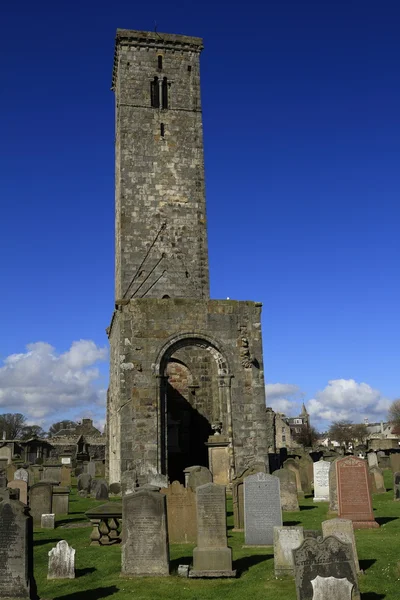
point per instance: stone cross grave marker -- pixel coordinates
(196, 476)
(331, 588)
(22, 486)
(237, 493)
(372, 459)
(289, 499)
(61, 562)
(396, 485)
(321, 481)
(354, 497)
(40, 501)
(21, 474)
(181, 514)
(145, 538)
(343, 530)
(212, 557)
(286, 539)
(15, 546)
(262, 509)
(327, 557)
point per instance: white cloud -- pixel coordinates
(41, 383)
(347, 399)
(282, 397)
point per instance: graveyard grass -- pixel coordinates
(98, 568)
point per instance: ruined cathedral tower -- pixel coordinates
(186, 373)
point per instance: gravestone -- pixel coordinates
(60, 500)
(128, 482)
(396, 485)
(306, 473)
(102, 491)
(289, 499)
(394, 459)
(212, 557)
(40, 501)
(15, 550)
(145, 538)
(61, 562)
(91, 468)
(181, 514)
(237, 493)
(293, 465)
(286, 539)
(377, 475)
(196, 476)
(48, 521)
(372, 459)
(262, 509)
(21, 474)
(343, 530)
(66, 476)
(321, 481)
(52, 473)
(3, 480)
(115, 488)
(11, 472)
(333, 498)
(354, 497)
(22, 486)
(331, 588)
(327, 557)
(6, 455)
(84, 482)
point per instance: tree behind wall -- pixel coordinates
(11, 425)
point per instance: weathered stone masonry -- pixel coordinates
(182, 365)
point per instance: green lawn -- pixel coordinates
(98, 568)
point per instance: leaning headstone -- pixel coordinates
(289, 499)
(237, 493)
(181, 514)
(343, 530)
(286, 539)
(377, 475)
(198, 476)
(331, 588)
(395, 461)
(102, 491)
(21, 474)
(40, 501)
(354, 497)
(372, 459)
(84, 482)
(212, 557)
(293, 465)
(396, 485)
(321, 481)
(327, 557)
(48, 521)
(22, 486)
(145, 538)
(15, 550)
(262, 509)
(61, 562)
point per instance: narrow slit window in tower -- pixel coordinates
(159, 58)
(154, 92)
(162, 129)
(164, 92)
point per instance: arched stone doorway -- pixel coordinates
(194, 401)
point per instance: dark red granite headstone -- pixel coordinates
(354, 494)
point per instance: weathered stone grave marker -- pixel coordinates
(196, 476)
(333, 499)
(22, 486)
(40, 501)
(321, 481)
(327, 557)
(354, 497)
(21, 474)
(379, 483)
(331, 588)
(61, 562)
(262, 509)
(394, 459)
(181, 514)
(286, 539)
(289, 498)
(102, 491)
(343, 530)
(372, 459)
(60, 504)
(145, 538)
(237, 493)
(65, 476)
(48, 521)
(293, 465)
(84, 482)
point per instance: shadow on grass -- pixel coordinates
(384, 520)
(246, 562)
(367, 563)
(372, 596)
(95, 594)
(54, 540)
(66, 521)
(307, 507)
(229, 513)
(291, 523)
(183, 560)
(83, 572)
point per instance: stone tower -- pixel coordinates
(186, 372)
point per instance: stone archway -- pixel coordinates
(194, 398)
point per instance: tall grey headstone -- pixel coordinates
(40, 501)
(262, 509)
(145, 538)
(286, 539)
(212, 557)
(61, 562)
(288, 488)
(321, 481)
(327, 557)
(343, 530)
(15, 549)
(331, 588)
(22, 474)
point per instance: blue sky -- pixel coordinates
(302, 142)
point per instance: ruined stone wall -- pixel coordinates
(161, 237)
